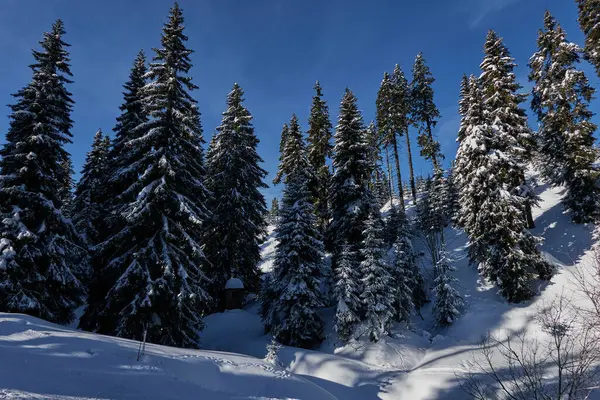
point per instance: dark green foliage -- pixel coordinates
(281, 169)
(589, 20)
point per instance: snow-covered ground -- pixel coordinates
(39, 360)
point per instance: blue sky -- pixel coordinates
(276, 50)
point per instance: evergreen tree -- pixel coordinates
(234, 178)
(319, 149)
(42, 259)
(499, 241)
(392, 225)
(424, 113)
(561, 99)
(274, 213)
(88, 208)
(156, 261)
(401, 114)
(293, 316)
(432, 216)
(589, 20)
(463, 105)
(121, 173)
(387, 116)
(499, 87)
(377, 290)
(346, 291)
(451, 206)
(447, 300)
(281, 168)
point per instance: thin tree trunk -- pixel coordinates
(413, 187)
(399, 176)
(433, 156)
(527, 211)
(390, 178)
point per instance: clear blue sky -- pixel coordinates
(275, 49)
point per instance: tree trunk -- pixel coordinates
(433, 156)
(413, 187)
(398, 175)
(390, 178)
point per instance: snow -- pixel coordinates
(40, 360)
(234, 283)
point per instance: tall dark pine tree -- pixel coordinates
(234, 177)
(561, 99)
(89, 211)
(401, 116)
(386, 122)
(463, 105)
(589, 20)
(319, 149)
(42, 259)
(351, 202)
(121, 173)
(447, 300)
(156, 260)
(500, 95)
(499, 242)
(281, 168)
(424, 113)
(294, 296)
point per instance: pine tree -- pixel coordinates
(293, 316)
(378, 292)
(432, 214)
(156, 261)
(499, 87)
(451, 206)
(319, 149)
(88, 208)
(424, 113)
(392, 225)
(401, 114)
(589, 20)
(346, 291)
(281, 168)
(561, 99)
(234, 177)
(274, 212)
(387, 116)
(447, 300)
(121, 173)
(463, 105)
(499, 241)
(42, 258)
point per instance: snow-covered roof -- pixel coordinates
(234, 283)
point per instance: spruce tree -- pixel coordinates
(275, 210)
(502, 100)
(156, 261)
(319, 149)
(346, 291)
(121, 173)
(589, 20)
(89, 212)
(463, 105)
(238, 209)
(378, 292)
(447, 300)
(561, 99)
(295, 297)
(281, 168)
(424, 113)
(387, 111)
(42, 258)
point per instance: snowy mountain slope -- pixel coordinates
(420, 363)
(39, 360)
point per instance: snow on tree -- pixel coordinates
(448, 302)
(42, 258)
(272, 357)
(424, 113)
(281, 168)
(346, 291)
(561, 99)
(238, 209)
(490, 214)
(378, 291)
(88, 207)
(275, 209)
(121, 173)
(589, 20)
(387, 122)
(319, 149)
(463, 104)
(156, 266)
(501, 98)
(295, 299)
(432, 217)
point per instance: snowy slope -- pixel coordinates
(420, 363)
(39, 360)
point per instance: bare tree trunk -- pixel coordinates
(413, 187)
(399, 176)
(390, 177)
